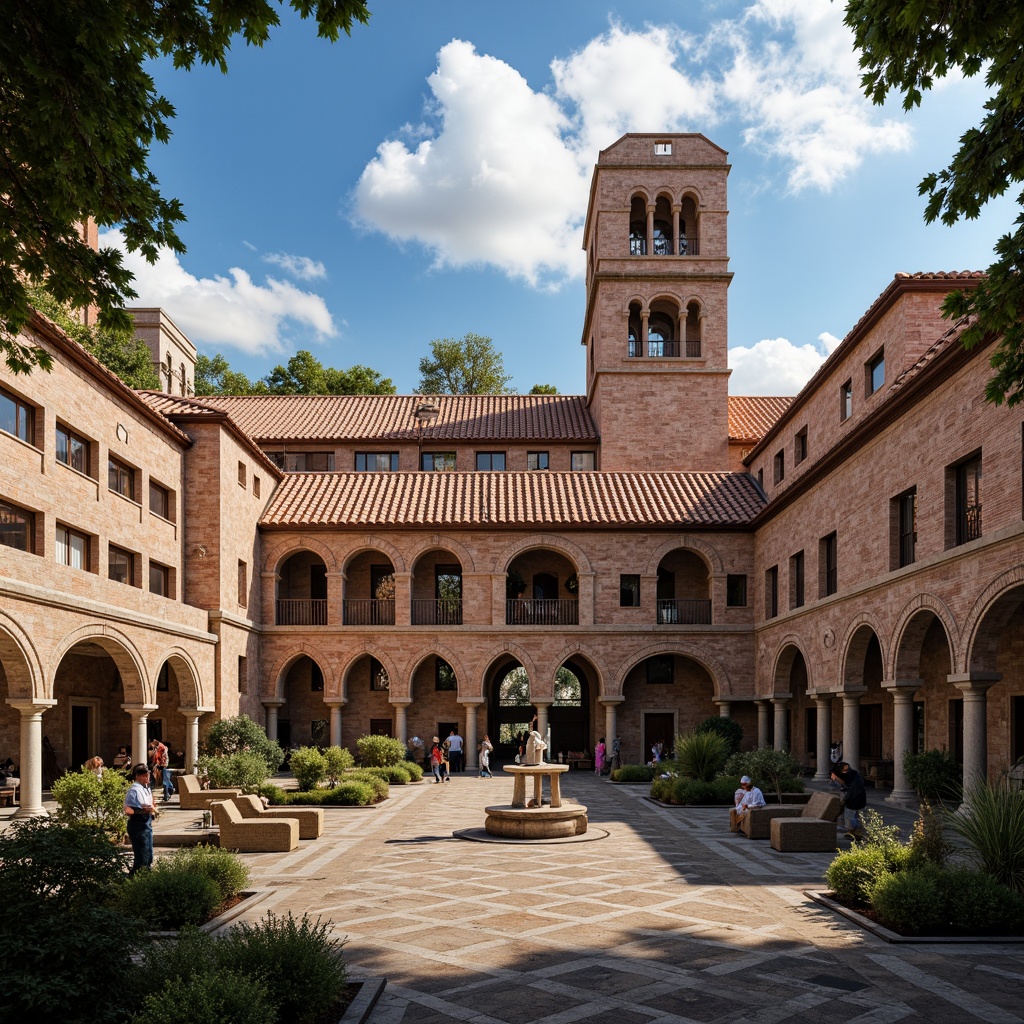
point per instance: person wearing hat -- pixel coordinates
(747, 796)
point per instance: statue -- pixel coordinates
(535, 748)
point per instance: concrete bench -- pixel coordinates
(803, 835)
(192, 796)
(310, 819)
(280, 835)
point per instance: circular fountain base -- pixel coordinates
(536, 822)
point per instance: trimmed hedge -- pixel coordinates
(395, 774)
(165, 899)
(350, 793)
(633, 773)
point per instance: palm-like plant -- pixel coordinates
(701, 755)
(991, 821)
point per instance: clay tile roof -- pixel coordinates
(751, 417)
(279, 418)
(513, 499)
(951, 337)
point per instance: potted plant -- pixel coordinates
(572, 584)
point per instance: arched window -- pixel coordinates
(661, 336)
(637, 227)
(693, 331)
(662, 240)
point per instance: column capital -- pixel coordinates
(193, 712)
(853, 695)
(332, 702)
(140, 709)
(821, 699)
(545, 704)
(30, 705)
(974, 683)
(273, 702)
(781, 698)
(402, 702)
(905, 685)
(610, 702)
(469, 702)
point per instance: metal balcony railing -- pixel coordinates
(368, 612)
(684, 612)
(440, 612)
(549, 612)
(689, 245)
(301, 612)
(663, 349)
(969, 524)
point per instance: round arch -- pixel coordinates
(280, 553)
(443, 542)
(989, 614)
(640, 193)
(399, 686)
(691, 192)
(721, 685)
(279, 671)
(374, 543)
(790, 646)
(22, 665)
(705, 551)
(861, 631)
(571, 551)
(908, 637)
(138, 687)
(190, 692)
(636, 300)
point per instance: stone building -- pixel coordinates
(626, 562)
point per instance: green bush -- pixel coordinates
(348, 793)
(771, 770)
(415, 770)
(975, 903)
(688, 792)
(352, 794)
(242, 734)
(309, 766)
(700, 755)
(728, 728)
(228, 871)
(380, 751)
(853, 872)
(245, 769)
(275, 794)
(928, 839)
(166, 899)
(339, 760)
(378, 785)
(208, 997)
(934, 775)
(633, 773)
(908, 901)
(992, 823)
(395, 774)
(85, 799)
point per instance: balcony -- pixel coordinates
(368, 612)
(441, 612)
(688, 246)
(684, 612)
(301, 612)
(543, 612)
(663, 349)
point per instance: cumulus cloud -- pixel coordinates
(301, 267)
(775, 366)
(232, 310)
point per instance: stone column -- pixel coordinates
(902, 691)
(401, 719)
(191, 716)
(781, 721)
(724, 710)
(823, 727)
(851, 728)
(272, 706)
(676, 210)
(650, 230)
(645, 316)
(30, 789)
(470, 758)
(139, 713)
(974, 686)
(762, 724)
(336, 705)
(611, 727)
(542, 723)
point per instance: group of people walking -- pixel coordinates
(448, 756)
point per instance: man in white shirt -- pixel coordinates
(747, 796)
(455, 750)
(138, 806)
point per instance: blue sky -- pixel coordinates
(428, 177)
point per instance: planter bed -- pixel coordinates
(246, 900)
(360, 998)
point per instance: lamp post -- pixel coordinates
(424, 414)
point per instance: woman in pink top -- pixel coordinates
(599, 751)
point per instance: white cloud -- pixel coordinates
(301, 267)
(775, 366)
(232, 311)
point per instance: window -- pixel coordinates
(583, 461)
(17, 527)
(968, 499)
(316, 678)
(800, 447)
(379, 679)
(120, 565)
(846, 400)
(243, 674)
(771, 592)
(72, 450)
(629, 591)
(255, 486)
(303, 462)
(663, 149)
(660, 670)
(904, 526)
(376, 462)
(159, 579)
(487, 462)
(779, 466)
(243, 589)
(796, 580)
(17, 417)
(241, 474)
(72, 548)
(438, 462)
(444, 676)
(536, 460)
(160, 500)
(121, 478)
(875, 376)
(736, 591)
(828, 565)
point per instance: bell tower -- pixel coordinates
(656, 325)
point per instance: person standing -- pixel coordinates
(138, 806)
(599, 756)
(455, 750)
(485, 757)
(438, 764)
(616, 753)
(159, 771)
(855, 798)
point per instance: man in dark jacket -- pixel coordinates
(855, 797)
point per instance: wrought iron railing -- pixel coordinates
(368, 612)
(440, 612)
(542, 612)
(684, 612)
(301, 611)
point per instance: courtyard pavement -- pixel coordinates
(669, 919)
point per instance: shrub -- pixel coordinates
(633, 773)
(235, 735)
(352, 794)
(992, 823)
(378, 786)
(85, 799)
(275, 794)
(309, 766)
(380, 751)
(876, 832)
(934, 775)
(770, 769)
(415, 770)
(339, 760)
(395, 774)
(728, 728)
(928, 839)
(696, 791)
(853, 872)
(975, 903)
(701, 755)
(908, 901)
(245, 769)
(208, 997)
(166, 898)
(228, 871)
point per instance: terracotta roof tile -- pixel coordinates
(951, 337)
(752, 416)
(513, 499)
(278, 418)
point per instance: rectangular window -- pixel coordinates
(660, 670)
(241, 474)
(771, 592)
(159, 500)
(663, 149)
(243, 674)
(800, 447)
(121, 478)
(629, 591)
(736, 590)
(376, 462)
(444, 676)
(438, 462)
(583, 461)
(255, 486)
(17, 527)
(490, 462)
(536, 460)
(120, 565)
(17, 417)
(243, 588)
(875, 375)
(159, 579)
(303, 462)
(968, 499)
(905, 522)
(796, 580)
(846, 400)
(779, 466)
(72, 548)
(72, 450)
(379, 679)
(828, 565)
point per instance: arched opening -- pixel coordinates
(437, 589)
(368, 710)
(801, 713)
(541, 590)
(435, 708)
(303, 719)
(369, 591)
(174, 688)
(509, 709)
(635, 327)
(302, 591)
(689, 239)
(663, 240)
(15, 681)
(684, 589)
(694, 331)
(864, 669)
(924, 653)
(570, 715)
(638, 226)
(662, 330)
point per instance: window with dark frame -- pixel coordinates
(736, 590)
(159, 579)
(846, 400)
(760, 479)
(121, 478)
(17, 417)
(796, 580)
(243, 584)
(828, 560)
(800, 446)
(72, 449)
(490, 462)
(771, 592)
(255, 486)
(536, 460)
(629, 591)
(120, 565)
(243, 674)
(159, 500)
(438, 462)
(17, 527)
(907, 528)
(968, 499)
(241, 474)
(660, 670)
(303, 462)
(444, 676)
(875, 377)
(376, 462)
(779, 466)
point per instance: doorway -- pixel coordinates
(659, 727)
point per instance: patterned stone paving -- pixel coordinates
(669, 919)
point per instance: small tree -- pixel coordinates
(339, 760)
(728, 728)
(463, 366)
(309, 766)
(934, 775)
(83, 798)
(767, 768)
(245, 769)
(380, 751)
(231, 735)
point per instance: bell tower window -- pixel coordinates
(637, 226)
